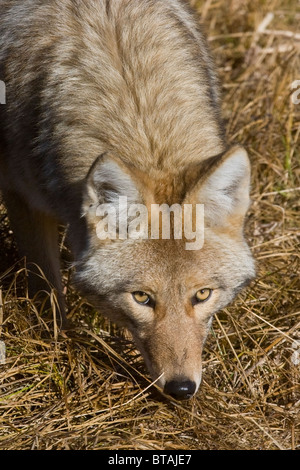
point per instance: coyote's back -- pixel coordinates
(117, 100)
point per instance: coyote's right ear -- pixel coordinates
(225, 190)
(107, 180)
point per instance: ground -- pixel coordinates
(90, 390)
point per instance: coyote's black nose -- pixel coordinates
(180, 389)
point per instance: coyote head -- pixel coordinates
(162, 292)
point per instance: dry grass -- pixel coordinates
(88, 390)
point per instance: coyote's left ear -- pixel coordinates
(107, 180)
(225, 190)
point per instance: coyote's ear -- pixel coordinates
(225, 190)
(107, 180)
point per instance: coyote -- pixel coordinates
(110, 99)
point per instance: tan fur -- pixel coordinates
(111, 98)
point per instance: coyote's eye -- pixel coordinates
(142, 298)
(202, 295)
